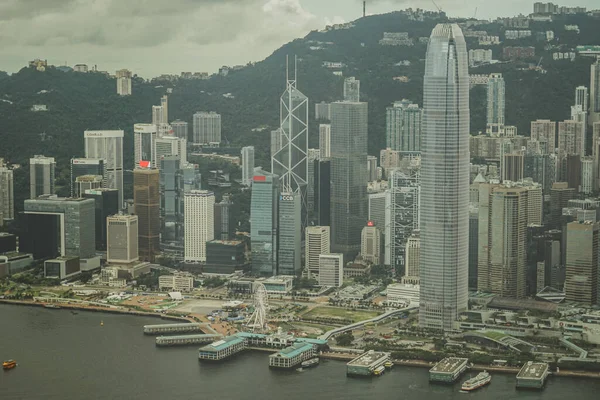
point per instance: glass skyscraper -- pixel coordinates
(445, 180)
(348, 175)
(171, 199)
(263, 220)
(290, 234)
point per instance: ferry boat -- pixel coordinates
(10, 364)
(379, 371)
(312, 362)
(482, 379)
(388, 364)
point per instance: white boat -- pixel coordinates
(313, 362)
(482, 379)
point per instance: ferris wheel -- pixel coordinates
(258, 319)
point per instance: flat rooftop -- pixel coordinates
(368, 358)
(532, 370)
(293, 350)
(172, 325)
(222, 344)
(190, 336)
(449, 365)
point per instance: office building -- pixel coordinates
(146, 203)
(170, 146)
(325, 140)
(595, 92)
(377, 209)
(106, 203)
(275, 141)
(445, 164)
(473, 243)
(247, 165)
(512, 168)
(192, 179)
(502, 258)
(87, 182)
(199, 224)
(317, 242)
(352, 90)
(7, 196)
(314, 155)
(225, 257)
(290, 162)
(207, 128)
(66, 224)
(560, 194)
(144, 145)
(403, 126)
(542, 169)
(176, 283)
(180, 129)
(596, 153)
(224, 227)
(587, 175)
(413, 259)
(62, 268)
(164, 103)
(171, 199)
(86, 166)
(389, 159)
(349, 179)
(123, 82)
(370, 245)
(331, 270)
(322, 111)
(108, 145)
(544, 130)
(372, 168)
(41, 176)
(322, 207)
(289, 257)
(495, 105)
(158, 116)
(581, 283)
(264, 219)
(8, 242)
(122, 239)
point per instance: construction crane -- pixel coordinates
(436, 6)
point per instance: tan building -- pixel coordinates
(544, 130)
(317, 243)
(176, 283)
(370, 244)
(146, 203)
(581, 283)
(389, 159)
(122, 239)
(413, 259)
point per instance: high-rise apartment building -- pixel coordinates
(164, 103)
(581, 283)
(122, 238)
(289, 256)
(325, 140)
(144, 145)
(108, 145)
(199, 224)
(180, 129)
(207, 128)
(146, 203)
(495, 105)
(352, 90)
(578, 114)
(7, 196)
(544, 130)
(158, 115)
(264, 219)
(570, 137)
(370, 244)
(595, 92)
(317, 243)
(123, 82)
(331, 270)
(404, 126)
(348, 175)
(86, 166)
(41, 175)
(106, 203)
(445, 180)
(247, 165)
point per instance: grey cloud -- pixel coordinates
(21, 9)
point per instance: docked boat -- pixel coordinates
(379, 371)
(482, 379)
(51, 306)
(388, 364)
(312, 362)
(10, 364)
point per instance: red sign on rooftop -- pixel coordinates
(260, 178)
(144, 164)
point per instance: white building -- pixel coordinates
(325, 140)
(199, 223)
(144, 138)
(413, 256)
(80, 68)
(108, 145)
(322, 111)
(517, 34)
(123, 82)
(479, 56)
(170, 146)
(370, 244)
(7, 207)
(331, 269)
(317, 243)
(122, 239)
(352, 90)
(41, 175)
(587, 175)
(247, 165)
(398, 293)
(207, 128)
(176, 283)
(158, 115)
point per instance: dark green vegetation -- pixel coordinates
(77, 102)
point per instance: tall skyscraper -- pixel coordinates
(86, 166)
(322, 209)
(317, 243)
(180, 129)
(289, 256)
(158, 115)
(570, 137)
(331, 270)
(325, 140)
(199, 224)
(581, 283)
(290, 162)
(372, 168)
(108, 145)
(41, 175)
(370, 243)
(512, 166)
(348, 175)
(7, 196)
(264, 219)
(595, 92)
(495, 105)
(314, 156)
(413, 256)
(192, 179)
(560, 194)
(171, 199)
(146, 202)
(207, 128)
(106, 203)
(404, 126)
(445, 180)
(275, 141)
(164, 103)
(123, 82)
(247, 165)
(544, 130)
(587, 175)
(224, 227)
(122, 238)
(377, 209)
(170, 146)
(352, 90)
(144, 145)
(581, 97)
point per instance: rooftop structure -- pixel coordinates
(448, 370)
(292, 356)
(366, 363)
(532, 375)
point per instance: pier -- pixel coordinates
(533, 375)
(186, 340)
(292, 356)
(172, 328)
(367, 363)
(448, 370)
(222, 349)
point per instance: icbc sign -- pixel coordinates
(287, 198)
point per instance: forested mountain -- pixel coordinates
(80, 101)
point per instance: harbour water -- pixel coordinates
(71, 356)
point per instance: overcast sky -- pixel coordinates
(152, 37)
